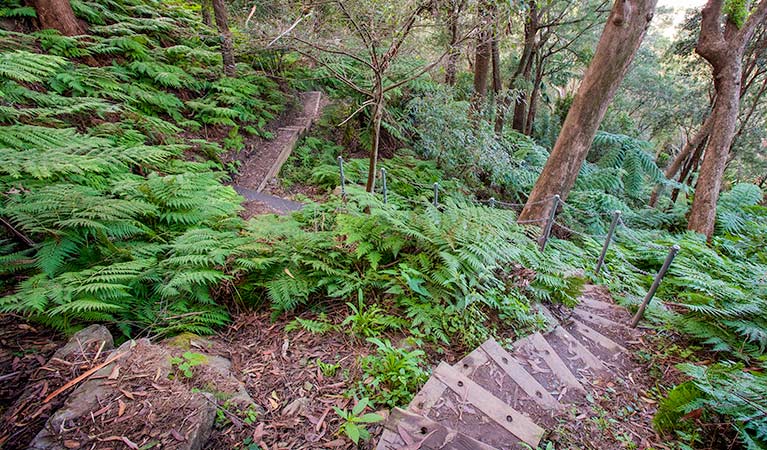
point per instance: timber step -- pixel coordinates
(505, 400)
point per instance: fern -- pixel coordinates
(29, 67)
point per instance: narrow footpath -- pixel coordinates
(263, 163)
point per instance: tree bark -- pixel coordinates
(455, 53)
(205, 7)
(496, 65)
(378, 109)
(688, 169)
(684, 155)
(482, 57)
(225, 35)
(531, 29)
(522, 102)
(723, 48)
(622, 35)
(58, 15)
(532, 108)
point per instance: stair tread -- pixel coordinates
(597, 319)
(503, 376)
(600, 305)
(543, 363)
(583, 363)
(404, 428)
(607, 350)
(465, 406)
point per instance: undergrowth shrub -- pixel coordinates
(392, 375)
(108, 216)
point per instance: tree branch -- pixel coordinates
(758, 16)
(334, 52)
(336, 73)
(711, 39)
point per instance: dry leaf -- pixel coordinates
(127, 394)
(289, 274)
(259, 433)
(177, 436)
(129, 443)
(115, 373)
(120, 408)
(71, 444)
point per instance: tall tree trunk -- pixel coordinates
(378, 110)
(684, 155)
(622, 35)
(205, 7)
(532, 109)
(58, 15)
(455, 53)
(531, 29)
(227, 47)
(496, 66)
(688, 169)
(482, 57)
(723, 49)
(522, 102)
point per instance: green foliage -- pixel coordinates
(127, 226)
(369, 320)
(729, 390)
(327, 369)
(736, 11)
(303, 161)
(355, 421)
(392, 375)
(187, 362)
(673, 408)
(319, 326)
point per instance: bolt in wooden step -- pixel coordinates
(427, 397)
(512, 367)
(468, 408)
(407, 429)
(542, 362)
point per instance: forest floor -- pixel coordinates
(281, 371)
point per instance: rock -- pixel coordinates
(205, 417)
(82, 401)
(187, 341)
(152, 362)
(227, 383)
(90, 340)
(94, 335)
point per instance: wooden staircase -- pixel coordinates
(495, 399)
